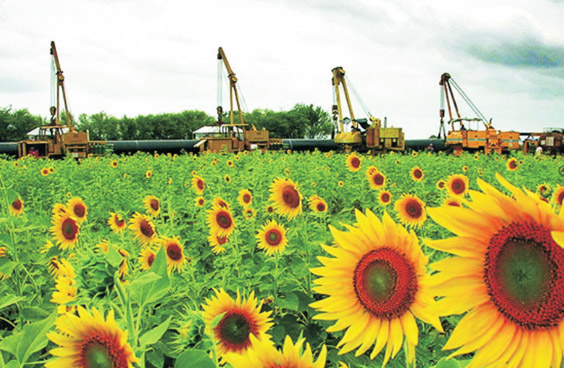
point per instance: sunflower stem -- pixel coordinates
(406, 351)
(276, 276)
(124, 297)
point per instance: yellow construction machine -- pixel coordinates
(57, 140)
(363, 134)
(234, 137)
(461, 137)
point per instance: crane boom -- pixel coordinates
(339, 80)
(233, 93)
(55, 111)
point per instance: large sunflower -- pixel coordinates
(411, 210)
(116, 222)
(245, 197)
(65, 230)
(143, 228)
(272, 237)
(457, 185)
(174, 253)
(89, 340)
(376, 179)
(220, 221)
(77, 208)
(17, 207)
(353, 162)
(152, 205)
(286, 198)
(507, 275)
(242, 318)
(376, 286)
(264, 354)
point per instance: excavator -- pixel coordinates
(461, 138)
(365, 135)
(56, 140)
(232, 136)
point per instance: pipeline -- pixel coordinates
(179, 145)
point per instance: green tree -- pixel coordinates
(14, 125)
(318, 123)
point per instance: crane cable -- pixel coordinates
(54, 84)
(355, 93)
(219, 83)
(469, 102)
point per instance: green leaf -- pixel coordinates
(194, 358)
(34, 313)
(448, 363)
(113, 257)
(156, 358)
(145, 278)
(155, 290)
(7, 266)
(9, 300)
(5, 239)
(154, 335)
(290, 301)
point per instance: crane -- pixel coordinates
(460, 138)
(366, 134)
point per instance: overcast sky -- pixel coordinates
(139, 57)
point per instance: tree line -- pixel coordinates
(302, 121)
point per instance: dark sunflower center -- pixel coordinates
(146, 229)
(273, 237)
(441, 184)
(269, 209)
(385, 197)
(174, 252)
(454, 204)
(17, 205)
(102, 352)
(513, 164)
(247, 198)
(458, 186)
(378, 179)
(119, 221)
(413, 209)
(154, 204)
(69, 228)
(97, 356)
(417, 173)
(200, 184)
(79, 210)
(224, 220)
(151, 259)
(524, 275)
(321, 206)
(234, 328)
(221, 240)
(355, 162)
(385, 283)
(291, 196)
(201, 202)
(560, 198)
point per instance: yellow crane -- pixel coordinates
(364, 134)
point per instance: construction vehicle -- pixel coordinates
(232, 136)
(551, 140)
(461, 138)
(365, 135)
(57, 140)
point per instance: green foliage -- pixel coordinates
(14, 125)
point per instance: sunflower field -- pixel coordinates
(282, 259)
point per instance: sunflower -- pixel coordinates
(416, 173)
(217, 243)
(371, 170)
(558, 195)
(544, 189)
(116, 222)
(227, 178)
(146, 258)
(341, 183)
(317, 204)
(512, 164)
(465, 168)
(452, 201)
(507, 275)
(220, 221)
(152, 205)
(199, 201)
(272, 238)
(66, 291)
(264, 354)
(143, 228)
(441, 184)
(220, 202)
(245, 197)
(286, 197)
(77, 207)
(65, 229)
(114, 163)
(241, 319)
(174, 253)
(198, 184)
(3, 251)
(376, 179)
(229, 163)
(376, 286)
(44, 171)
(353, 162)
(384, 197)
(414, 153)
(17, 207)
(89, 340)
(411, 210)
(457, 185)
(249, 213)
(148, 174)
(269, 209)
